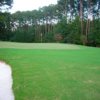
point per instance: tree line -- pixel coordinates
(69, 21)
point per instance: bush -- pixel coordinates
(22, 36)
(94, 35)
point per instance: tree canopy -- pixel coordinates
(71, 21)
(5, 3)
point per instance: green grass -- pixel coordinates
(53, 71)
(37, 45)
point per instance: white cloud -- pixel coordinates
(24, 5)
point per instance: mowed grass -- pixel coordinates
(53, 71)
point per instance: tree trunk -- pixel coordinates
(89, 18)
(81, 15)
(82, 25)
(65, 12)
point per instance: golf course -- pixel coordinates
(53, 71)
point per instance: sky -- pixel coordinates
(25, 5)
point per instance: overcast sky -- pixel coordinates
(24, 5)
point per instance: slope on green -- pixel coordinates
(54, 74)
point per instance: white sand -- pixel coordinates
(6, 92)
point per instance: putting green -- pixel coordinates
(37, 45)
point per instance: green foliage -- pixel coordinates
(49, 37)
(73, 38)
(6, 4)
(68, 21)
(94, 36)
(61, 27)
(5, 27)
(23, 35)
(74, 32)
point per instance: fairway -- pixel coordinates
(53, 71)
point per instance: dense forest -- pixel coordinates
(69, 21)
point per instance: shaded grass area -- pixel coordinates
(54, 74)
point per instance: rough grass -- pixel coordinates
(54, 74)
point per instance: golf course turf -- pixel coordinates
(53, 71)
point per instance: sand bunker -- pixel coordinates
(6, 92)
